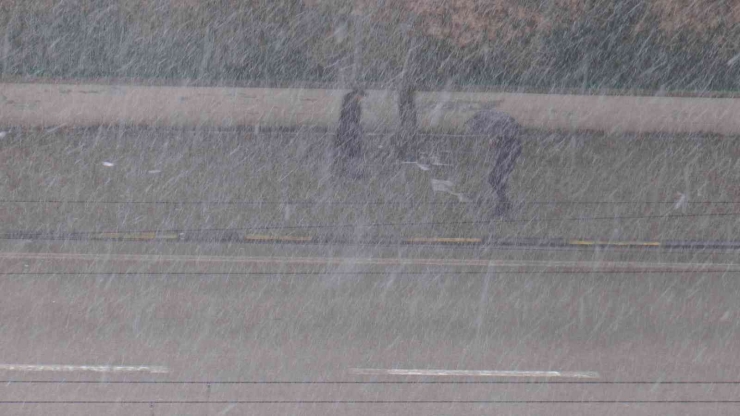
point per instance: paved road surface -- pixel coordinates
(119, 313)
(191, 316)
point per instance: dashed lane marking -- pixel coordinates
(441, 240)
(615, 243)
(85, 368)
(276, 239)
(137, 236)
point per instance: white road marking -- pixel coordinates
(544, 266)
(473, 373)
(108, 164)
(90, 368)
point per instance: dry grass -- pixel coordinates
(506, 42)
(203, 166)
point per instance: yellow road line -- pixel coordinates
(614, 266)
(442, 240)
(271, 238)
(414, 240)
(615, 243)
(139, 236)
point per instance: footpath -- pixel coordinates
(74, 104)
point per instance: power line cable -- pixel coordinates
(379, 202)
(364, 402)
(333, 273)
(353, 382)
(411, 224)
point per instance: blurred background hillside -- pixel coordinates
(691, 45)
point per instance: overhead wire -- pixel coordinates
(369, 273)
(409, 224)
(391, 382)
(368, 402)
(378, 202)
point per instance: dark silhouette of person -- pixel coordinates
(503, 132)
(348, 140)
(405, 141)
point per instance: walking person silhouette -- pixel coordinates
(348, 139)
(503, 133)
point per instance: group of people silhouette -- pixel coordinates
(499, 129)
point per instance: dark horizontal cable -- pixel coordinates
(406, 224)
(311, 202)
(306, 202)
(215, 382)
(671, 245)
(446, 273)
(267, 131)
(334, 402)
(475, 245)
(610, 218)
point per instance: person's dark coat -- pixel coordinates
(503, 131)
(348, 140)
(405, 138)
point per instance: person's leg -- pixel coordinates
(354, 147)
(499, 178)
(503, 204)
(339, 156)
(355, 158)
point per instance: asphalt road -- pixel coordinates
(211, 328)
(270, 329)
